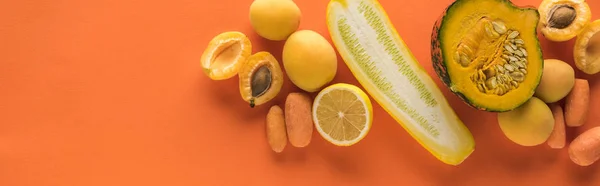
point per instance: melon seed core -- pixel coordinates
(226, 54)
(561, 16)
(592, 51)
(260, 81)
(496, 53)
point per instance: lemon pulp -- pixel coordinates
(342, 114)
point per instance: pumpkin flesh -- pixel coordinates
(465, 22)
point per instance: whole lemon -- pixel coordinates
(274, 19)
(309, 60)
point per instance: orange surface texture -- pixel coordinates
(111, 93)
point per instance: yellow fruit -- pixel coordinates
(274, 19)
(225, 55)
(260, 79)
(557, 81)
(309, 60)
(562, 20)
(342, 114)
(587, 49)
(528, 125)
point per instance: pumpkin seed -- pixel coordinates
(491, 83)
(519, 53)
(500, 68)
(523, 70)
(489, 72)
(499, 91)
(523, 51)
(508, 48)
(499, 27)
(513, 34)
(499, 79)
(489, 30)
(506, 78)
(519, 41)
(520, 64)
(509, 67)
(464, 60)
(457, 56)
(514, 47)
(518, 76)
(514, 84)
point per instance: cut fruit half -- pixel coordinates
(385, 67)
(562, 20)
(225, 54)
(487, 53)
(342, 114)
(587, 49)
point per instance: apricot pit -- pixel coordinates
(260, 79)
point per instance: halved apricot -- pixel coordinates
(562, 20)
(587, 49)
(225, 55)
(261, 78)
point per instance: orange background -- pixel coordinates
(111, 93)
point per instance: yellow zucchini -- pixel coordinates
(380, 60)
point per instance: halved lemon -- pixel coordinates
(225, 54)
(342, 114)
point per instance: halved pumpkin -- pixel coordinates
(487, 52)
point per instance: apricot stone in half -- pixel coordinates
(260, 79)
(562, 20)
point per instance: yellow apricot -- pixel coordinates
(274, 19)
(528, 125)
(309, 60)
(557, 81)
